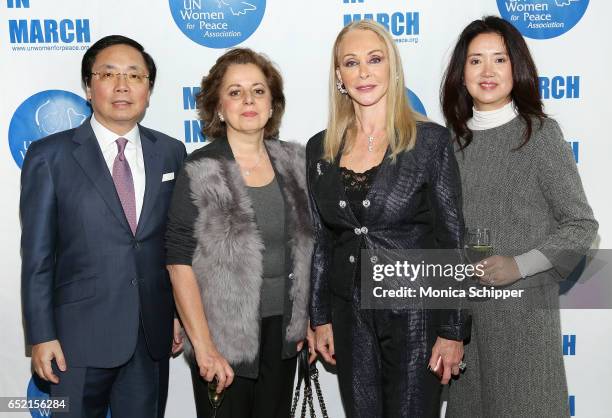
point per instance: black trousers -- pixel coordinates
(137, 389)
(268, 396)
(382, 357)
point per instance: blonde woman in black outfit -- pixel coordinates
(379, 179)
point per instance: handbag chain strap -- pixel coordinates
(306, 373)
(314, 373)
(296, 398)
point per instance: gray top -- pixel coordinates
(531, 198)
(269, 208)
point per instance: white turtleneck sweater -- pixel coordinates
(533, 261)
(488, 119)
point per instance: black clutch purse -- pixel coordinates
(307, 373)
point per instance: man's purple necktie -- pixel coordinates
(124, 183)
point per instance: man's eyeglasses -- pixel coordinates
(130, 78)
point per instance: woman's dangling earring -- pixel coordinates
(221, 118)
(340, 87)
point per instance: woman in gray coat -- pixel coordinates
(239, 243)
(520, 181)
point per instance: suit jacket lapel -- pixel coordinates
(89, 156)
(153, 174)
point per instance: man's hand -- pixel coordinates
(42, 354)
(177, 339)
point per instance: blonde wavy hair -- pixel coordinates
(401, 119)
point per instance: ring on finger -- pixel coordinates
(462, 365)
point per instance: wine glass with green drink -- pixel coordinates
(478, 244)
(478, 247)
(214, 397)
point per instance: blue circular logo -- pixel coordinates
(217, 23)
(43, 114)
(542, 19)
(40, 389)
(415, 102)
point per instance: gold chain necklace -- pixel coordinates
(248, 171)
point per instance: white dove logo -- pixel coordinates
(52, 117)
(245, 7)
(562, 3)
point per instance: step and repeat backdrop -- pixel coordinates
(42, 42)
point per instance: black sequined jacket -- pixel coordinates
(414, 202)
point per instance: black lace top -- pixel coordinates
(356, 187)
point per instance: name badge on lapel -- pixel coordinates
(167, 177)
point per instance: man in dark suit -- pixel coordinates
(96, 296)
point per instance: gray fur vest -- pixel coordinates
(228, 259)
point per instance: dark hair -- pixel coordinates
(455, 98)
(208, 98)
(90, 56)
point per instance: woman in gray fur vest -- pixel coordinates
(239, 243)
(520, 181)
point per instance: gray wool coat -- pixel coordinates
(228, 259)
(529, 198)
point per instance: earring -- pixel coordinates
(340, 87)
(221, 118)
(271, 111)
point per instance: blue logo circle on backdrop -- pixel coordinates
(415, 102)
(40, 389)
(217, 23)
(542, 19)
(42, 114)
